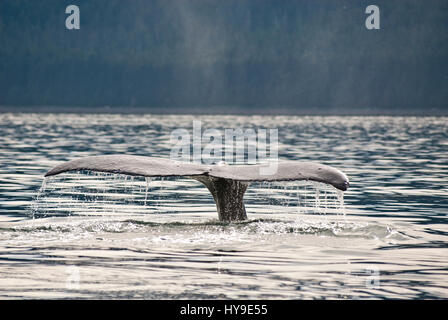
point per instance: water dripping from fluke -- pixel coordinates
(92, 194)
(114, 194)
(148, 181)
(302, 197)
(227, 184)
(35, 202)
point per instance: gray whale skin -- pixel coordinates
(227, 183)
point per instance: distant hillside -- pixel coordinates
(301, 55)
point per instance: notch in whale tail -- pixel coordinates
(226, 183)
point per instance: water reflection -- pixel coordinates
(172, 246)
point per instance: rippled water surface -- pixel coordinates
(108, 236)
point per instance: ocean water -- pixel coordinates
(106, 236)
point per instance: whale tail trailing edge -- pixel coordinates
(226, 183)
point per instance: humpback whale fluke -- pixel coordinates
(227, 183)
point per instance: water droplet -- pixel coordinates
(148, 180)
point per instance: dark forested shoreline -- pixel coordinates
(307, 56)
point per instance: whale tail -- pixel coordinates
(226, 183)
(228, 195)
